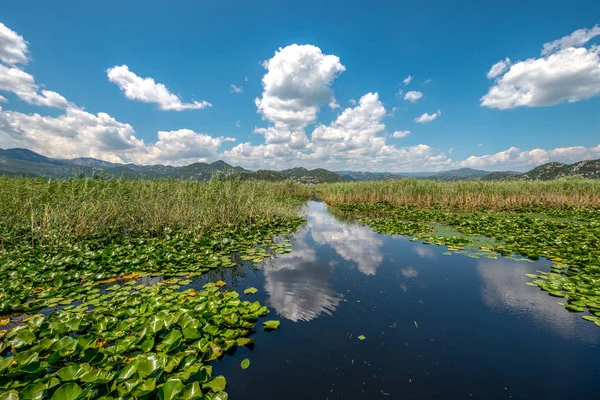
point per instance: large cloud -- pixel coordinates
(22, 84)
(13, 51)
(78, 133)
(566, 72)
(515, 158)
(296, 84)
(149, 91)
(182, 146)
(353, 132)
(75, 133)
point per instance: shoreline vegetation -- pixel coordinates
(95, 301)
(558, 220)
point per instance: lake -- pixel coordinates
(435, 326)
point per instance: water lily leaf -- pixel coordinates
(147, 344)
(5, 363)
(191, 333)
(10, 395)
(216, 384)
(72, 372)
(4, 320)
(127, 371)
(245, 363)
(251, 290)
(361, 337)
(272, 324)
(171, 341)
(219, 396)
(146, 387)
(170, 389)
(26, 357)
(220, 283)
(68, 391)
(244, 341)
(97, 376)
(149, 364)
(191, 391)
(23, 338)
(574, 308)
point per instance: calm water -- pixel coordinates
(436, 326)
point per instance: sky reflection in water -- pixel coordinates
(436, 326)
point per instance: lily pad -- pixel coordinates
(245, 363)
(271, 325)
(251, 290)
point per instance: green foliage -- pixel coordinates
(105, 352)
(42, 211)
(271, 325)
(466, 195)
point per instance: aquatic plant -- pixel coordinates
(134, 341)
(467, 195)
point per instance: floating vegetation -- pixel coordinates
(137, 341)
(568, 237)
(245, 363)
(48, 276)
(271, 325)
(107, 265)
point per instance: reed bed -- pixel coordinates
(56, 210)
(467, 195)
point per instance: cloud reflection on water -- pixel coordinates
(298, 283)
(504, 288)
(353, 242)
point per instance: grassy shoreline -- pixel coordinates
(79, 250)
(467, 195)
(51, 211)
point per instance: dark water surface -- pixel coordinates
(436, 326)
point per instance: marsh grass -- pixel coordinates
(467, 195)
(47, 211)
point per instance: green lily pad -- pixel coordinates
(68, 391)
(361, 337)
(251, 290)
(245, 363)
(271, 325)
(216, 384)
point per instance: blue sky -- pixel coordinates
(297, 107)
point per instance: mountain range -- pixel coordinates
(24, 162)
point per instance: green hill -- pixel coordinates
(553, 170)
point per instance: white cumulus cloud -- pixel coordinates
(427, 118)
(515, 158)
(413, 96)
(296, 84)
(149, 91)
(13, 48)
(565, 73)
